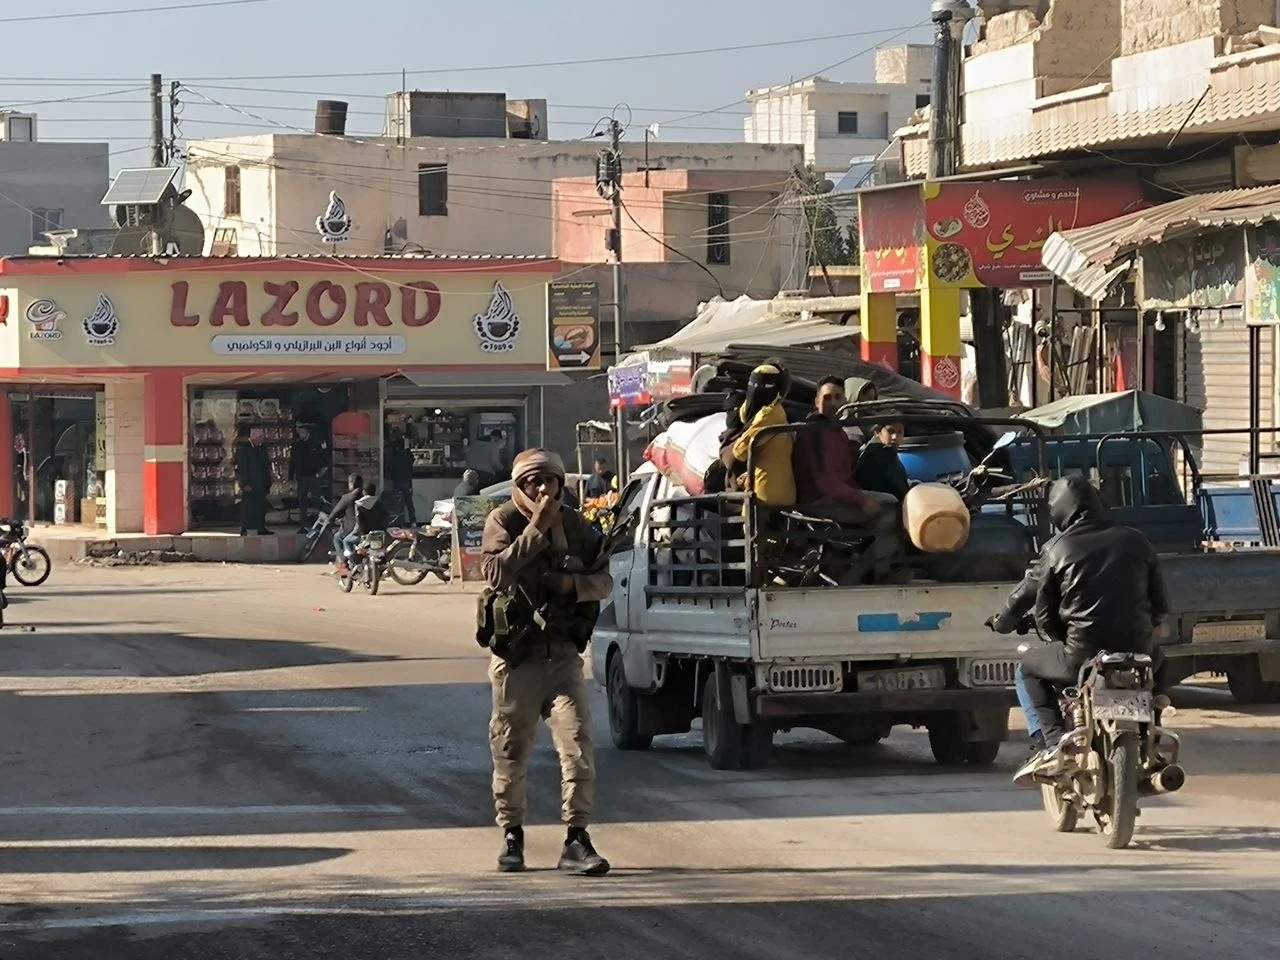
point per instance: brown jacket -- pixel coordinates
(517, 553)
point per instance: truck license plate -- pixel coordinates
(1134, 705)
(897, 681)
(1230, 630)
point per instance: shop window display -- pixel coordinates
(221, 420)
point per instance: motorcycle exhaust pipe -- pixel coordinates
(1168, 779)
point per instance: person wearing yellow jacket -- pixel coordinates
(773, 479)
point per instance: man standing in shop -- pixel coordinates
(253, 470)
(400, 473)
(306, 465)
(486, 457)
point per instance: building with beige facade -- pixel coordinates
(262, 195)
(838, 122)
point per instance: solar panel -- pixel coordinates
(140, 186)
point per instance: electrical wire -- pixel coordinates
(678, 253)
(128, 11)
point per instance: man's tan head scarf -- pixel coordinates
(530, 463)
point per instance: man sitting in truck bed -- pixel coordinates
(773, 480)
(824, 460)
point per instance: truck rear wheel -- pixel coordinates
(721, 733)
(1244, 678)
(944, 740)
(624, 711)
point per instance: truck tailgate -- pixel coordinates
(1222, 583)
(875, 623)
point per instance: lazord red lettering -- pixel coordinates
(315, 305)
(409, 314)
(274, 315)
(232, 302)
(178, 315)
(372, 299)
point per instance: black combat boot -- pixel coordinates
(511, 859)
(579, 856)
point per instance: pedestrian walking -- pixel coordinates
(542, 564)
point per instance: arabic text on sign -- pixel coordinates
(1008, 239)
(304, 345)
(323, 304)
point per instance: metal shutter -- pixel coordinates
(1216, 379)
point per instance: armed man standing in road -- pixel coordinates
(542, 563)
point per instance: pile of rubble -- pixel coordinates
(138, 558)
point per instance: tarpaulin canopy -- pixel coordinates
(744, 320)
(1130, 411)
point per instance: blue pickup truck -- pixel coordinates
(1219, 547)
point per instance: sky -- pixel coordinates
(254, 66)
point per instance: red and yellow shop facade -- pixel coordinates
(127, 384)
(942, 239)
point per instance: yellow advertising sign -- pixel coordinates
(224, 317)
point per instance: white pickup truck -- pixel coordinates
(685, 635)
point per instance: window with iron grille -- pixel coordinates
(42, 219)
(718, 228)
(847, 121)
(231, 192)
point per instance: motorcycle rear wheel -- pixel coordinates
(34, 569)
(372, 573)
(406, 578)
(1122, 801)
(1063, 815)
(347, 580)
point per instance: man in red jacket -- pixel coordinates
(824, 461)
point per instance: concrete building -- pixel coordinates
(837, 122)
(262, 195)
(687, 235)
(47, 186)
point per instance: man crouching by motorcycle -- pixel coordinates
(1095, 586)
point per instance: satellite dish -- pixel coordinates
(131, 241)
(186, 230)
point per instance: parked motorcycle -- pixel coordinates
(315, 535)
(1115, 750)
(365, 563)
(29, 563)
(417, 551)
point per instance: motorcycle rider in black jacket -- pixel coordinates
(1095, 586)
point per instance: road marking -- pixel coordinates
(282, 810)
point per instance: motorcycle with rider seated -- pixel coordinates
(1096, 585)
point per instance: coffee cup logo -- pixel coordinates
(499, 325)
(45, 315)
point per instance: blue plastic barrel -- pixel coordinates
(930, 457)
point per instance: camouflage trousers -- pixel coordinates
(539, 689)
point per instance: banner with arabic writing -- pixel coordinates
(1217, 268)
(990, 234)
(891, 233)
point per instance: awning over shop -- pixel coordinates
(1129, 411)
(722, 322)
(473, 380)
(1091, 259)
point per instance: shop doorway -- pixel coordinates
(59, 454)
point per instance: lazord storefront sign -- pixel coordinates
(323, 303)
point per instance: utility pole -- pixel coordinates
(157, 121)
(609, 186)
(172, 151)
(950, 17)
(157, 155)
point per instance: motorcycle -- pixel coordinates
(1115, 750)
(315, 533)
(29, 563)
(364, 564)
(417, 551)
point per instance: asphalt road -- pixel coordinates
(229, 762)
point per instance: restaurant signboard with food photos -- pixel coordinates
(573, 325)
(970, 234)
